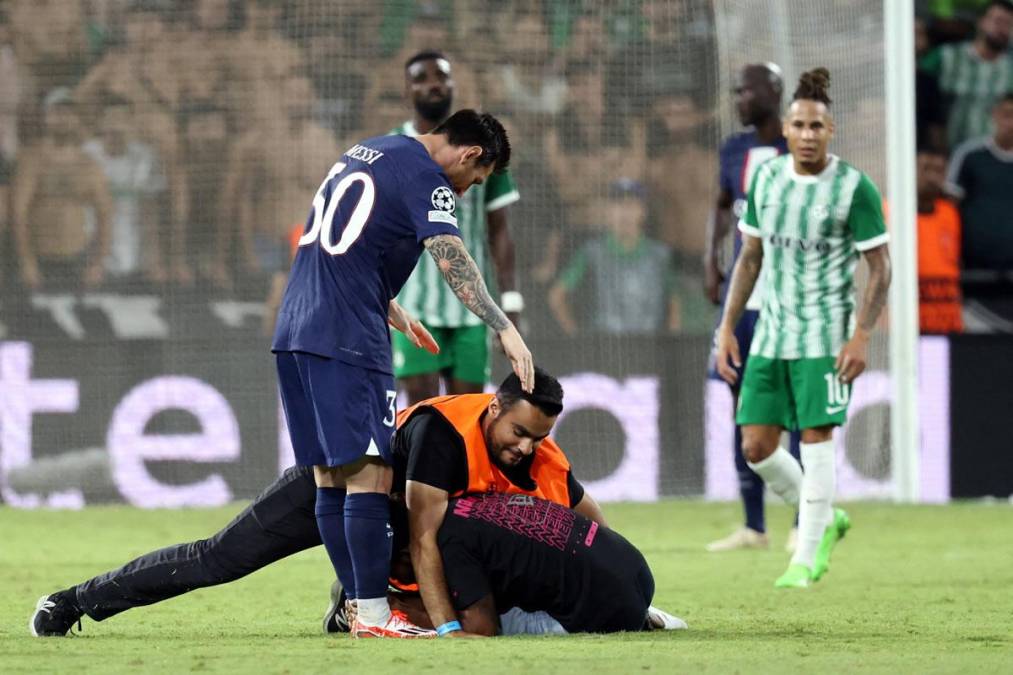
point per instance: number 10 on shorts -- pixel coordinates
(838, 393)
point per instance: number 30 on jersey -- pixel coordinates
(324, 208)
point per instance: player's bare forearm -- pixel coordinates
(877, 290)
(747, 271)
(462, 274)
(589, 508)
(427, 507)
(502, 250)
(719, 224)
(428, 567)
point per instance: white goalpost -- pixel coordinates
(905, 428)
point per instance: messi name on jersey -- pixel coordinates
(362, 153)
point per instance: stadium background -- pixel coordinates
(156, 385)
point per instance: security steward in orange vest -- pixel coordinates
(445, 446)
(475, 444)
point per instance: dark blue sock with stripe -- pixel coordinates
(330, 512)
(369, 537)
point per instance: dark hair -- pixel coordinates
(813, 85)
(468, 127)
(547, 394)
(1005, 98)
(774, 77)
(425, 55)
(1002, 4)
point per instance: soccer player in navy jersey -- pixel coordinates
(385, 200)
(758, 90)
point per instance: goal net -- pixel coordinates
(158, 160)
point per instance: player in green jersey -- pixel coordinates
(463, 361)
(809, 217)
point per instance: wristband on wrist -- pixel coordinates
(512, 301)
(449, 627)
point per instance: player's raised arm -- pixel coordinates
(469, 147)
(462, 274)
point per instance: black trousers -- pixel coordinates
(279, 522)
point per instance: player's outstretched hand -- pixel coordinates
(519, 355)
(852, 359)
(463, 634)
(413, 329)
(726, 349)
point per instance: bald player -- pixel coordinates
(758, 90)
(463, 361)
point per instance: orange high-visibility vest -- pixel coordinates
(940, 299)
(549, 470)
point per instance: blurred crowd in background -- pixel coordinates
(964, 88)
(170, 146)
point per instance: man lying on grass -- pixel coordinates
(542, 566)
(443, 448)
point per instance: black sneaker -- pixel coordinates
(336, 616)
(55, 615)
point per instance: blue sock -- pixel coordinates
(330, 512)
(795, 448)
(369, 538)
(751, 488)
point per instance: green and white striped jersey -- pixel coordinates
(971, 84)
(813, 229)
(426, 295)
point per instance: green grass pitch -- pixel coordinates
(911, 590)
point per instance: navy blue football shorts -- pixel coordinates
(337, 413)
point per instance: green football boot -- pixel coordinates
(835, 531)
(796, 576)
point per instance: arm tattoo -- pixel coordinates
(465, 279)
(747, 270)
(876, 291)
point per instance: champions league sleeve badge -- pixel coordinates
(444, 205)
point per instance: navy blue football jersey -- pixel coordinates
(362, 239)
(740, 156)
